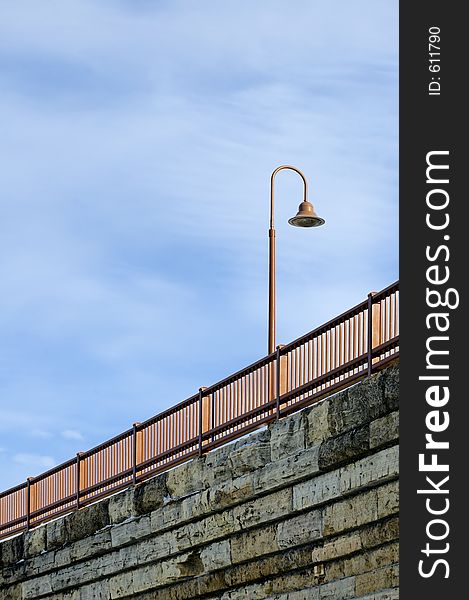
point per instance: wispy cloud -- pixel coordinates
(34, 461)
(71, 434)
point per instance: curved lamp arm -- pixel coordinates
(272, 178)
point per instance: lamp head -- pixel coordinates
(306, 216)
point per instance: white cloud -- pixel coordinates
(41, 433)
(34, 461)
(71, 434)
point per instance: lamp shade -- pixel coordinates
(306, 216)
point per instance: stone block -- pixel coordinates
(216, 467)
(229, 493)
(150, 494)
(378, 468)
(391, 386)
(12, 592)
(56, 534)
(249, 457)
(12, 551)
(300, 530)
(216, 556)
(188, 478)
(306, 594)
(316, 491)
(350, 513)
(39, 586)
(95, 591)
(146, 578)
(384, 430)
(388, 499)
(287, 470)
(382, 532)
(343, 448)
(377, 580)
(357, 405)
(288, 436)
(254, 543)
(155, 547)
(91, 546)
(35, 541)
(317, 423)
(386, 595)
(338, 590)
(264, 509)
(130, 531)
(121, 585)
(87, 521)
(121, 506)
(337, 548)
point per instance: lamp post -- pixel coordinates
(305, 217)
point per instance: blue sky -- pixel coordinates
(137, 139)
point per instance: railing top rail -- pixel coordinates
(262, 362)
(391, 289)
(168, 412)
(115, 440)
(14, 489)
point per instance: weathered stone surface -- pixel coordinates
(306, 508)
(351, 513)
(288, 436)
(121, 506)
(300, 530)
(391, 387)
(129, 531)
(216, 556)
(287, 470)
(345, 447)
(379, 467)
(250, 457)
(34, 588)
(380, 533)
(35, 541)
(86, 521)
(317, 419)
(337, 547)
(359, 404)
(387, 595)
(254, 543)
(150, 495)
(384, 430)
(338, 590)
(316, 491)
(388, 499)
(188, 478)
(56, 534)
(264, 509)
(14, 592)
(11, 551)
(91, 546)
(379, 579)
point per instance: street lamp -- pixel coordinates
(305, 217)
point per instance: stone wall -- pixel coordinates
(306, 509)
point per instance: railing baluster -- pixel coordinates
(77, 479)
(28, 503)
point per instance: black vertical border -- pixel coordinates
(430, 123)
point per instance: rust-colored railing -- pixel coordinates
(328, 358)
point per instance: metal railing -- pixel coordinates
(328, 358)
